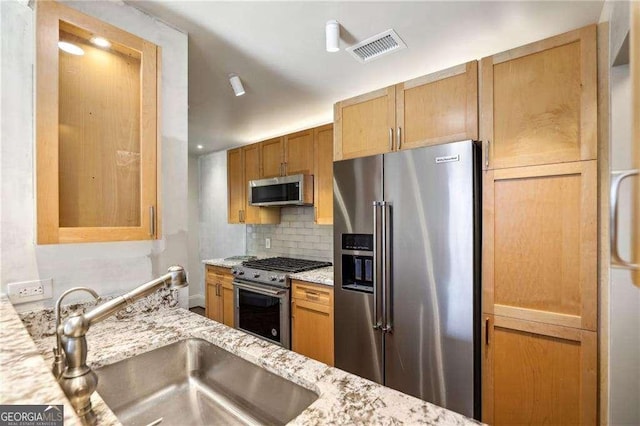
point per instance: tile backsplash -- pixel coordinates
(295, 236)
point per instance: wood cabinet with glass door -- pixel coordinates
(312, 321)
(323, 174)
(96, 147)
(538, 102)
(235, 185)
(219, 295)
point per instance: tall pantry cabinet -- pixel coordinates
(538, 125)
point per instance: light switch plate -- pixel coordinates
(267, 243)
(30, 291)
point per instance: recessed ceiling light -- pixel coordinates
(199, 146)
(70, 48)
(100, 42)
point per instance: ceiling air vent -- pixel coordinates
(377, 46)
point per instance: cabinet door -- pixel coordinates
(365, 125)
(227, 300)
(323, 175)
(538, 102)
(235, 185)
(251, 155)
(213, 308)
(312, 321)
(96, 147)
(537, 373)
(539, 244)
(438, 108)
(272, 158)
(299, 153)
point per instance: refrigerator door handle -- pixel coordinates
(377, 322)
(616, 259)
(387, 308)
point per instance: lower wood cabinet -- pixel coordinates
(312, 321)
(537, 373)
(219, 295)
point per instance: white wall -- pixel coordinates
(107, 267)
(196, 271)
(217, 237)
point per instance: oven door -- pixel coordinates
(263, 311)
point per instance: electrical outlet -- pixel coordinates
(30, 291)
(267, 243)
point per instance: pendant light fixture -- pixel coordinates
(332, 31)
(236, 84)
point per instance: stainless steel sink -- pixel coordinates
(193, 382)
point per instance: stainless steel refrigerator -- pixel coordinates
(407, 272)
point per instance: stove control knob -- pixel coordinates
(256, 275)
(240, 272)
(281, 279)
(273, 277)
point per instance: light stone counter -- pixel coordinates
(222, 262)
(319, 276)
(343, 397)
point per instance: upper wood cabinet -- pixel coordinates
(436, 108)
(536, 373)
(96, 131)
(323, 174)
(364, 125)
(538, 102)
(272, 161)
(299, 153)
(243, 165)
(540, 243)
(235, 185)
(287, 155)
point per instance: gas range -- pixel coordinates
(274, 271)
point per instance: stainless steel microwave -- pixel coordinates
(282, 191)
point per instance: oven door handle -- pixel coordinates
(258, 290)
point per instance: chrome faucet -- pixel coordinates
(77, 380)
(58, 354)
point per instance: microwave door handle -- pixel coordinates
(377, 322)
(258, 290)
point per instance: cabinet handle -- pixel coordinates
(286, 166)
(311, 294)
(486, 331)
(486, 154)
(152, 220)
(399, 137)
(293, 308)
(240, 218)
(390, 139)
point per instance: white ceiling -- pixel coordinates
(291, 82)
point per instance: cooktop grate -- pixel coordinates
(284, 264)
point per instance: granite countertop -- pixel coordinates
(222, 262)
(343, 398)
(319, 276)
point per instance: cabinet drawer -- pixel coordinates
(217, 274)
(312, 293)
